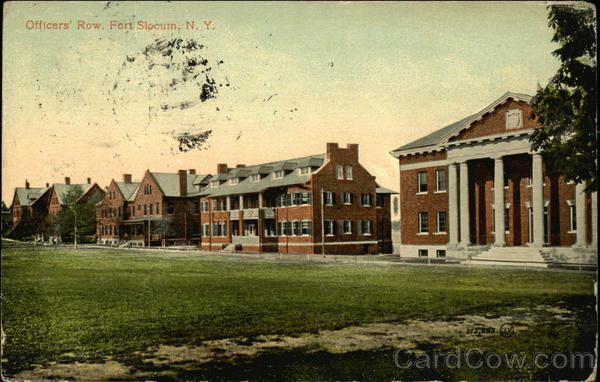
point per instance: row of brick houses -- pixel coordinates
(476, 189)
(32, 204)
(325, 203)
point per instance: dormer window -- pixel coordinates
(214, 183)
(255, 177)
(234, 181)
(304, 170)
(278, 174)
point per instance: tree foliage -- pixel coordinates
(566, 107)
(163, 227)
(76, 213)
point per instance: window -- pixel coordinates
(255, 177)
(205, 229)
(214, 183)
(297, 198)
(287, 228)
(329, 227)
(233, 181)
(441, 221)
(423, 253)
(296, 228)
(145, 209)
(205, 206)
(219, 229)
(379, 201)
(147, 189)
(347, 226)
(278, 174)
(304, 170)
(365, 227)
(306, 197)
(440, 180)
(306, 227)
(348, 172)
(530, 176)
(440, 253)
(422, 182)
(572, 216)
(170, 208)
(365, 200)
(150, 208)
(329, 198)
(158, 208)
(423, 223)
(347, 197)
(195, 207)
(339, 172)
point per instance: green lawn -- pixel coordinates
(64, 304)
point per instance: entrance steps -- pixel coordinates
(511, 256)
(229, 248)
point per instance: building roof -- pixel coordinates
(63, 189)
(169, 183)
(442, 135)
(383, 190)
(267, 180)
(27, 196)
(128, 189)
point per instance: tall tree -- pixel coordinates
(76, 216)
(566, 107)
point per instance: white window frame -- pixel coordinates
(255, 177)
(304, 170)
(437, 222)
(233, 181)
(306, 227)
(420, 222)
(369, 227)
(347, 198)
(214, 183)
(328, 198)
(329, 227)
(424, 173)
(278, 174)
(425, 251)
(339, 172)
(437, 181)
(348, 170)
(347, 227)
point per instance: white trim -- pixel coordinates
(416, 166)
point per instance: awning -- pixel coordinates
(142, 219)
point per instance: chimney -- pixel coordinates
(89, 180)
(221, 168)
(331, 147)
(182, 183)
(353, 147)
(192, 171)
(47, 185)
(240, 165)
(127, 178)
(67, 180)
(26, 184)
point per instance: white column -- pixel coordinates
(241, 202)
(499, 233)
(580, 214)
(464, 205)
(537, 202)
(228, 201)
(452, 206)
(260, 200)
(594, 206)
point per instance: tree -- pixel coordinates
(164, 228)
(566, 107)
(77, 218)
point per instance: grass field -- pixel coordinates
(65, 306)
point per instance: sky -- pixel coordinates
(283, 79)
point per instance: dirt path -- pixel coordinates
(406, 335)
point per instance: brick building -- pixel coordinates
(327, 203)
(131, 212)
(59, 190)
(475, 189)
(29, 205)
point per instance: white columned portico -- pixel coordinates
(465, 233)
(537, 199)
(452, 206)
(594, 206)
(580, 214)
(499, 232)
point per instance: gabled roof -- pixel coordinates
(267, 180)
(169, 183)
(27, 196)
(441, 136)
(63, 189)
(127, 189)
